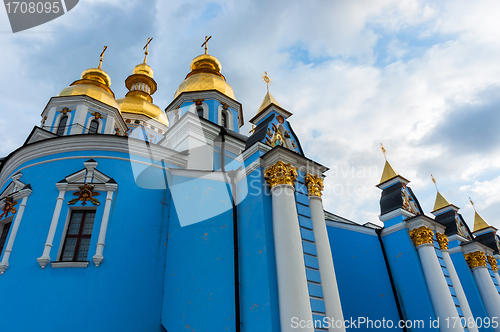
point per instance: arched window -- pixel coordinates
(62, 125)
(94, 126)
(199, 111)
(223, 121)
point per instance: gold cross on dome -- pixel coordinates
(147, 48)
(102, 56)
(206, 44)
(266, 79)
(383, 151)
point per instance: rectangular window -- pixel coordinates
(3, 236)
(77, 241)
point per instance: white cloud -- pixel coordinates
(322, 57)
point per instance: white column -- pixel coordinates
(438, 288)
(45, 259)
(98, 257)
(457, 285)
(488, 292)
(497, 276)
(4, 265)
(292, 281)
(326, 269)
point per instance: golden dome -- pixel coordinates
(131, 104)
(143, 69)
(205, 75)
(94, 83)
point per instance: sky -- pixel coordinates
(423, 78)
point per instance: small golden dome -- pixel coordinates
(143, 69)
(94, 83)
(135, 105)
(205, 75)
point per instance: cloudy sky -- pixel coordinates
(421, 77)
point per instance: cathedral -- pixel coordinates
(118, 215)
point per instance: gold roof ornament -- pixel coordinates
(388, 173)
(440, 202)
(268, 100)
(141, 86)
(479, 222)
(95, 83)
(205, 75)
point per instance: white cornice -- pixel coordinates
(476, 246)
(89, 102)
(422, 220)
(210, 94)
(287, 156)
(77, 143)
(395, 213)
(272, 108)
(351, 227)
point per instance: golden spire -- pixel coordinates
(147, 48)
(206, 44)
(266, 79)
(479, 222)
(440, 202)
(388, 173)
(102, 56)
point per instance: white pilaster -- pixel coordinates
(488, 292)
(4, 265)
(457, 285)
(98, 257)
(292, 281)
(326, 269)
(45, 258)
(497, 276)
(438, 288)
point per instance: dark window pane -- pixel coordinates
(89, 223)
(84, 250)
(3, 236)
(74, 224)
(62, 125)
(199, 110)
(224, 120)
(69, 250)
(94, 127)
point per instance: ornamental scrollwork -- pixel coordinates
(280, 173)
(476, 259)
(9, 207)
(86, 194)
(493, 263)
(422, 235)
(442, 240)
(314, 185)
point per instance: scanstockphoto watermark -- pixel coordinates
(25, 15)
(367, 323)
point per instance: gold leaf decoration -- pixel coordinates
(86, 194)
(476, 259)
(421, 235)
(314, 185)
(493, 263)
(8, 207)
(281, 173)
(442, 240)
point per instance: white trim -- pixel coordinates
(68, 126)
(57, 265)
(13, 232)
(194, 109)
(395, 213)
(350, 227)
(99, 128)
(98, 257)
(229, 117)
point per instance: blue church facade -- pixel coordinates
(118, 215)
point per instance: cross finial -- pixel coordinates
(206, 44)
(147, 48)
(435, 184)
(383, 151)
(266, 79)
(102, 56)
(472, 204)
